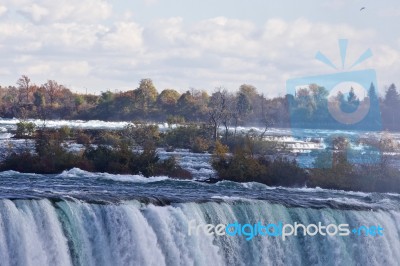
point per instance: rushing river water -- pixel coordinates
(82, 218)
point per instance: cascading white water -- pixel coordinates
(41, 232)
(31, 234)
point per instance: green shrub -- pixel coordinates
(243, 166)
(333, 171)
(200, 145)
(109, 138)
(25, 129)
(170, 167)
(65, 132)
(83, 138)
(284, 172)
(123, 160)
(139, 133)
(253, 144)
(50, 156)
(240, 168)
(184, 137)
(175, 119)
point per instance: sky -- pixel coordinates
(99, 45)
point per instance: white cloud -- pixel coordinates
(71, 36)
(4, 71)
(123, 37)
(49, 11)
(226, 36)
(166, 32)
(35, 12)
(127, 15)
(42, 69)
(36, 69)
(22, 59)
(275, 28)
(3, 10)
(10, 30)
(58, 37)
(204, 54)
(387, 57)
(75, 69)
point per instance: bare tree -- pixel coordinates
(268, 122)
(52, 90)
(25, 87)
(229, 113)
(217, 110)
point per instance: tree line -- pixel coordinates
(222, 108)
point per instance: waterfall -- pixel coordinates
(44, 232)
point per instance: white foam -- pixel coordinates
(76, 173)
(6, 135)
(228, 198)
(89, 124)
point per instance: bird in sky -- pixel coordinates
(361, 9)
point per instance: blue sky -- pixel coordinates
(112, 44)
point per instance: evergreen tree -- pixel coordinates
(373, 97)
(392, 97)
(391, 107)
(352, 97)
